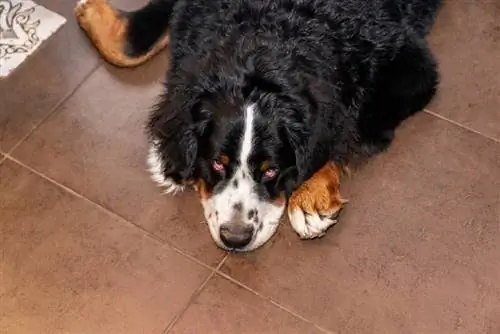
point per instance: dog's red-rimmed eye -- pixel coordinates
(217, 166)
(270, 173)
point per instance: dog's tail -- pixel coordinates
(126, 39)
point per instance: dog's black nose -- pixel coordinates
(236, 235)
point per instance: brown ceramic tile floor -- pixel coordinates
(88, 245)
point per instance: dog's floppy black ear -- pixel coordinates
(176, 126)
(296, 131)
(299, 142)
(317, 128)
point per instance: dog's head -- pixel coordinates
(242, 144)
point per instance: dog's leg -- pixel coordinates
(125, 39)
(316, 204)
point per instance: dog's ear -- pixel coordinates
(176, 127)
(316, 127)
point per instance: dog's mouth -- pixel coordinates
(240, 237)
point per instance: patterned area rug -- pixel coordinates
(24, 26)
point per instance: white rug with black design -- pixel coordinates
(24, 26)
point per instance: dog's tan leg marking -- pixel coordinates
(107, 30)
(315, 205)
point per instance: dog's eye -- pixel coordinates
(270, 173)
(217, 166)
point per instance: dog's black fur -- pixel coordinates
(331, 79)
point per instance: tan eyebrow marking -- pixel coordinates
(224, 159)
(265, 165)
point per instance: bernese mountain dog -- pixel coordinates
(266, 101)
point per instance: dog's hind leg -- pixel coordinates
(126, 39)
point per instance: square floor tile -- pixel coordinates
(223, 307)
(466, 41)
(96, 145)
(30, 92)
(70, 267)
(416, 250)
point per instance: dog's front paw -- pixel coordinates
(316, 204)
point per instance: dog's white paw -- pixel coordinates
(316, 204)
(310, 226)
(155, 167)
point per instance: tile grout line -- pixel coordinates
(270, 300)
(462, 126)
(55, 108)
(214, 271)
(193, 297)
(113, 214)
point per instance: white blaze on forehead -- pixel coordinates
(244, 192)
(246, 143)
